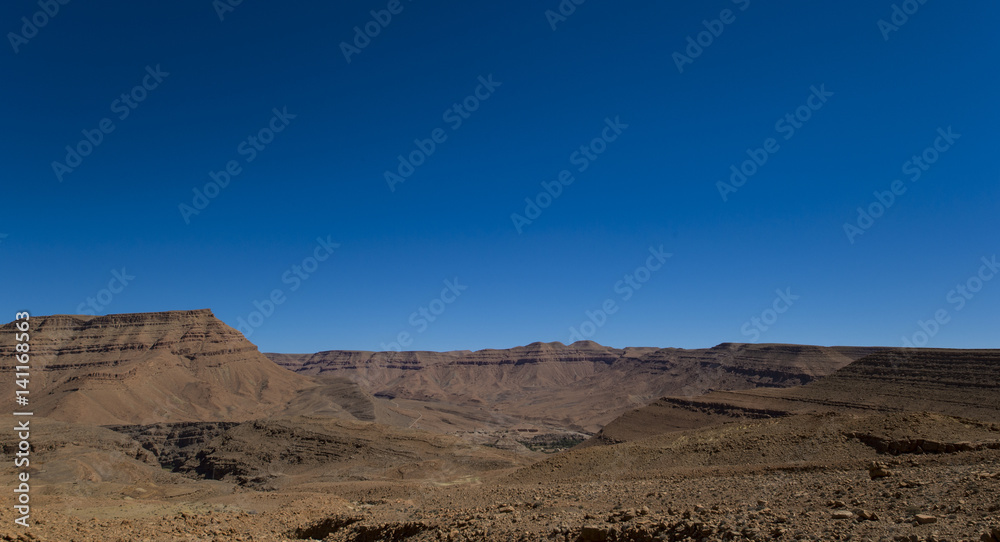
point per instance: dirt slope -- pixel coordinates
(270, 454)
(829, 440)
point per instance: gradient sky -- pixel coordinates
(655, 185)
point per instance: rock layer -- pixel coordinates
(150, 367)
(952, 382)
(580, 386)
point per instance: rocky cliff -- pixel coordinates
(950, 382)
(580, 386)
(150, 367)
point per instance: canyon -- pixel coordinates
(173, 426)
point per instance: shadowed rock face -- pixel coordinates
(963, 383)
(268, 453)
(150, 367)
(579, 386)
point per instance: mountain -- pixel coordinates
(187, 366)
(154, 367)
(203, 436)
(951, 382)
(577, 387)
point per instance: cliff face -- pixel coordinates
(581, 386)
(962, 383)
(146, 368)
(953, 382)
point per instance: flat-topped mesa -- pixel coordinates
(767, 364)
(341, 360)
(539, 352)
(69, 341)
(536, 352)
(770, 364)
(582, 385)
(149, 367)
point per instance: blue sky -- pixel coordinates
(657, 141)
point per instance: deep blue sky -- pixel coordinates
(322, 176)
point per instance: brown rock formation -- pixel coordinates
(151, 367)
(952, 382)
(580, 386)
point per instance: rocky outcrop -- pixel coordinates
(897, 446)
(267, 453)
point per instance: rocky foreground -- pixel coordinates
(946, 497)
(913, 477)
(171, 426)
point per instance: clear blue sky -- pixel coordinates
(323, 174)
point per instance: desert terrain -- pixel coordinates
(172, 426)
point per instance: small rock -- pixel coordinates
(878, 470)
(842, 514)
(867, 515)
(923, 519)
(592, 533)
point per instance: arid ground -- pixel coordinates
(172, 426)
